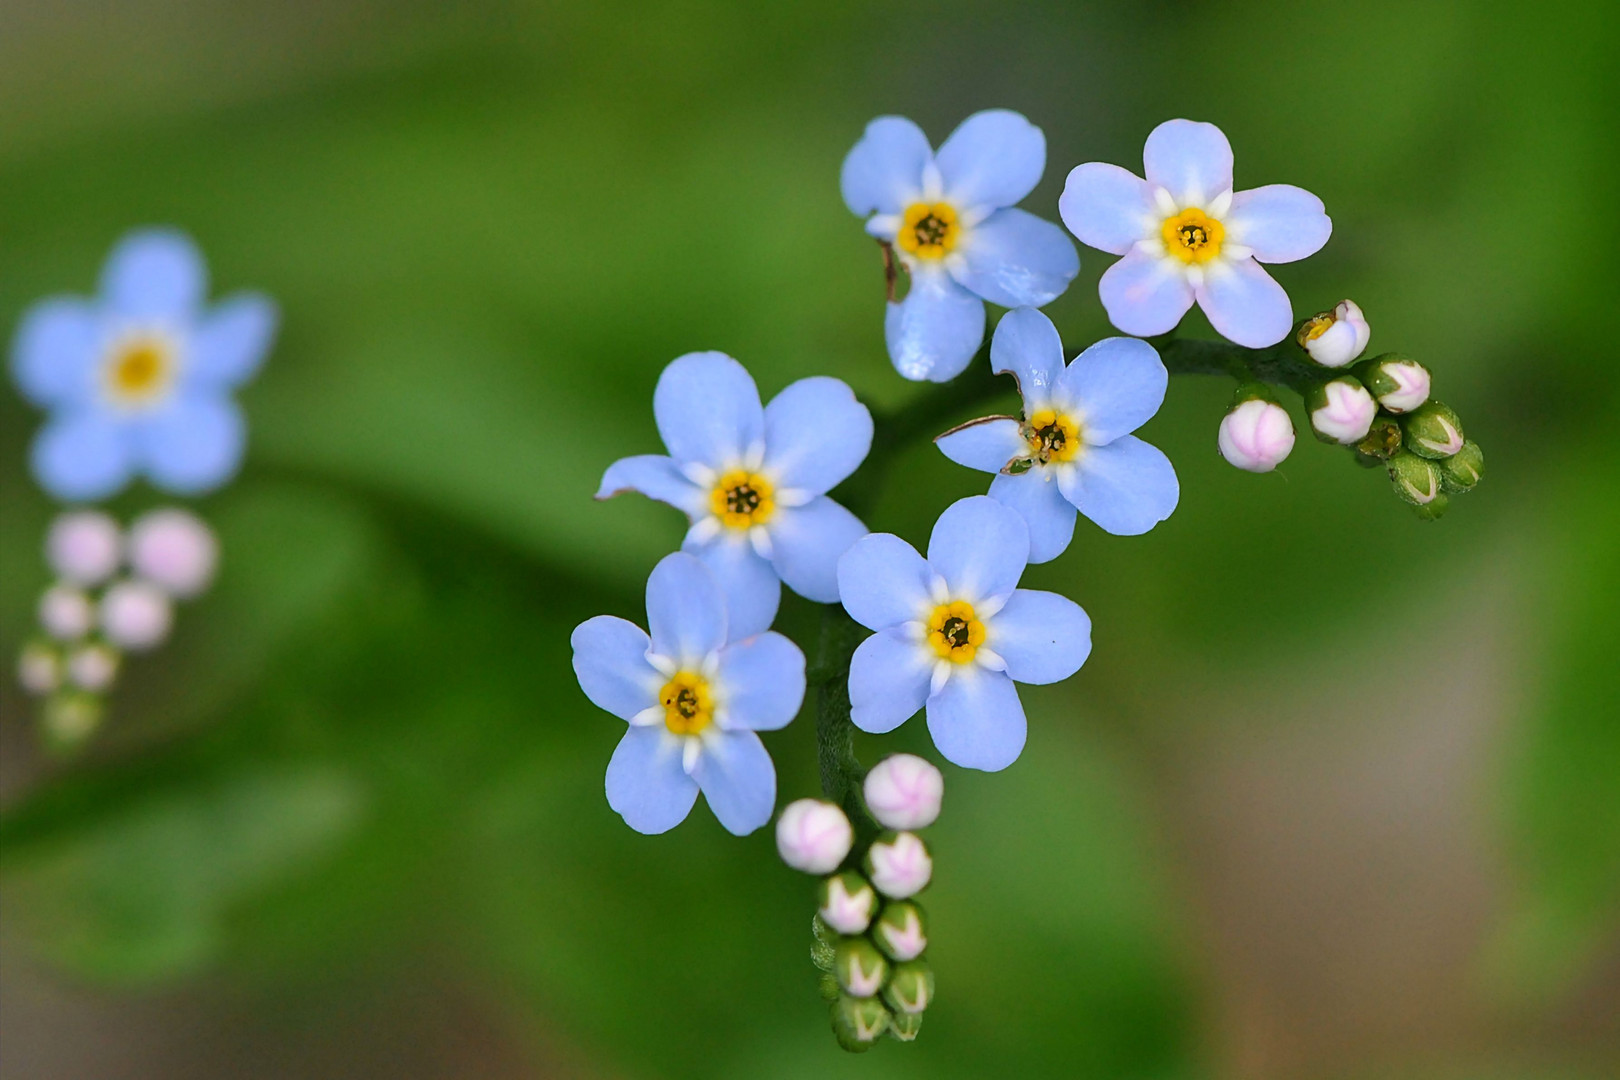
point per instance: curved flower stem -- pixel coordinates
(1284, 364)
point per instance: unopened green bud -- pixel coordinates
(1382, 440)
(823, 954)
(860, 968)
(901, 931)
(847, 902)
(910, 988)
(1432, 510)
(1399, 383)
(859, 1022)
(904, 1026)
(1462, 470)
(1433, 431)
(827, 986)
(71, 717)
(1416, 479)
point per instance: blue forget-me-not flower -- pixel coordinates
(753, 480)
(1073, 448)
(954, 632)
(950, 219)
(1186, 235)
(138, 381)
(694, 699)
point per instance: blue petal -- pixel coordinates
(1014, 258)
(610, 661)
(192, 444)
(686, 611)
(739, 780)
(1027, 344)
(1127, 487)
(1245, 304)
(884, 171)
(977, 720)
(657, 477)
(816, 434)
(1145, 294)
(645, 782)
(806, 542)
(979, 547)
(933, 333)
(888, 680)
(1115, 386)
(708, 410)
(1043, 637)
(992, 160)
(1039, 501)
(1192, 161)
(1279, 222)
(883, 582)
(55, 353)
(230, 342)
(986, 444)
(750, 585)
(763, 678)
(82, 456)
(1107, 207)
(155, 273)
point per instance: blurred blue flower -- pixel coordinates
(1186, 236)
(694, 700)
(954, 632)
(753, 480)
(1073, 449)
(139, 380)
(950, 220)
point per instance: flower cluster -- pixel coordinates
(869, 932)
(137, 383)
(114, 594)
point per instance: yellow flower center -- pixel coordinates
(1315, 327)
(742, 499)
(1192, 236)
(688, 705)
(1052, 436)
(929, 230)
(954, 632)
(139, 369)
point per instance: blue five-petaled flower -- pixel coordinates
(694, 699)
(1073, 448)
(949, 219)
(954, 632)
(753, 480)
(139, 380)
(1187, 236)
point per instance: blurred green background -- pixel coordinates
(1338, 794)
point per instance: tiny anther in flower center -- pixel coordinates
(954, 632)
(688, 705)
(1052, 436)
(139, 369)
(1193, 237)
(742, 499)
(1315, 327)
(929, 230)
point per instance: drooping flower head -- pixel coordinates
(753, 480)
(693, 698)
(950, 220)
(1186, 235)
(954, 632)
(139, 380)
(1073, 448)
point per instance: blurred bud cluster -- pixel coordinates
(114, 593)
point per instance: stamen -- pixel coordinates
(928, 230)
(1192, 236)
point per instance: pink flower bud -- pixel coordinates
(903, 791)
(1257, 435)
(39, 669)
(136, 615)
(93, 667)
(1412, 386)
(899, 866)
(174, 550)
(1342, 410)
(813, 836)
(84, 546)
(1335, 338)
(66, 612)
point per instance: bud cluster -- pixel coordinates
(114, 594)
(869, 934)
(1418, 441)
